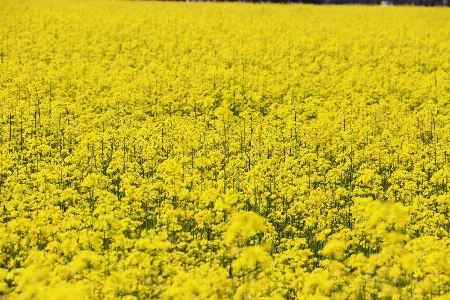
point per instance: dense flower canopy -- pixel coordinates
(194, 151)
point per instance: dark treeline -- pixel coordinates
(367, 2)
(378, 2)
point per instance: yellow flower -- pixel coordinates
(244, 225)
(334, 249)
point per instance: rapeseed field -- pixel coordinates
(223, 151)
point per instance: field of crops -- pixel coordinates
(216, 151)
